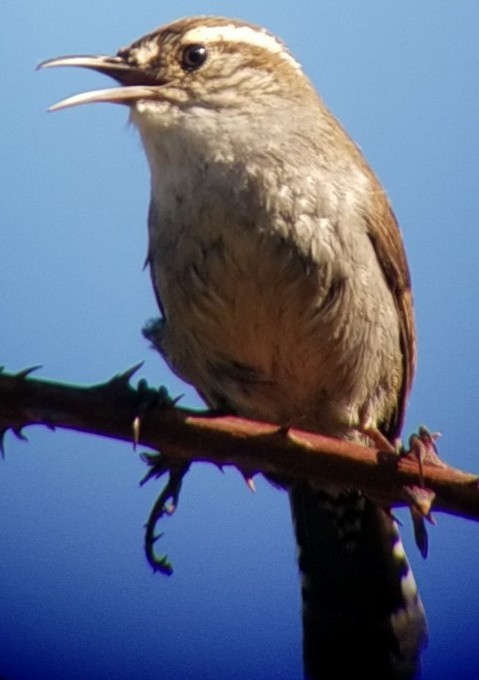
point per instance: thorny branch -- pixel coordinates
(150, 418)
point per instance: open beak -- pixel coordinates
(135, 83)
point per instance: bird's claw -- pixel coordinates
(148, 398)
(423, 449)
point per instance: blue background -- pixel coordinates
(77, 599)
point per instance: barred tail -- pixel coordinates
(362, 613)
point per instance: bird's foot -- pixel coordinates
(377, 438)
(423, 449)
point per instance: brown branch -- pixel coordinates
(109, 410)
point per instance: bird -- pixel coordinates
(285, 296)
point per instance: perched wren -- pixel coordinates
(285, 295)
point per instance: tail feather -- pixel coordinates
(361, 609)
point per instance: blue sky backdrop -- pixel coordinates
(77, 599)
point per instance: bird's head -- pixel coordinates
(200, 64)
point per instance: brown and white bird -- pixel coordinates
(285, 296)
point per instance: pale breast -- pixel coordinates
(284, 316)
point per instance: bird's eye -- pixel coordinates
(193, 57)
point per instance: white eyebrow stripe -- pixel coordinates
(146, 51)
(240, 34)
